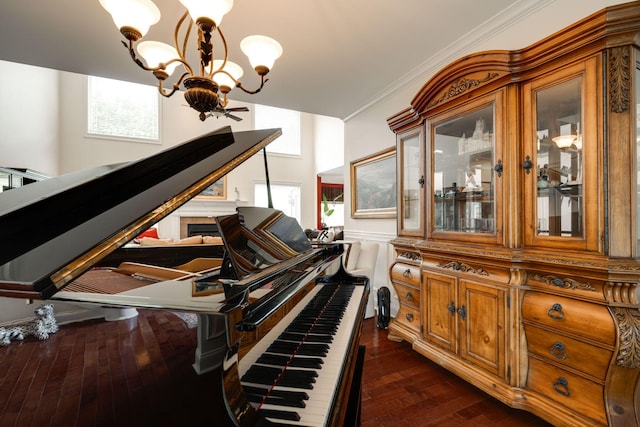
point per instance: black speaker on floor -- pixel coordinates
(384, 307)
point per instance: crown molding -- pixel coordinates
(467, 43)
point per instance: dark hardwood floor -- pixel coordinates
(138, 372)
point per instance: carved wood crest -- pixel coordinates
(461, 266)
(628, 320)
(619, 78)
(567, 283)
(460, 86)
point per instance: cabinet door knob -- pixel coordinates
(421, 181)
(527, 164)
(452, 308)
(498, 168)
(555, 312)
(462, 311)
(557, 350)
(562, 386)
(406, 273)
(409, 297)
(409, 317)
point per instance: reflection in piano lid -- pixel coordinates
(268, 263)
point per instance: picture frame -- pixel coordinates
(216, 191)
(374, 186)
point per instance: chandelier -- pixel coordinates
(207, 86)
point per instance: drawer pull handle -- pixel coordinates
(452, 308)
(561, 386)
(557, 350)
(409, 296)
(406, 273)
(409, 317)
(555, 312)
(462, 312)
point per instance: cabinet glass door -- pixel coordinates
(559, 160)
(411, 168)
(463, 176)
(560, 165)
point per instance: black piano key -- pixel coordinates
(313, 338)
(300, 395)
(317, 329)
(280, 415)
(289, 378)
(274, 400)
(286, 347)
(296, 362)
(296, 382)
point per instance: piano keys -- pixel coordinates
(292, 375)
(267, 265)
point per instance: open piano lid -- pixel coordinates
(55, 230)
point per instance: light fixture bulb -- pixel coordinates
(564, 141)
(210, 9)
(262, 52)
(156, 53)
(135, 14)
(221, 78)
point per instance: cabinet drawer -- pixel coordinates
(407, 294)
(406, 273)
(584, 357)
(587, 320)
(409, 317)
(576, 393)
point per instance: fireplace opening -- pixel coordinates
(202, 230)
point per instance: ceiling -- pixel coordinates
(339, 55)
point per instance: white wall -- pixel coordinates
(29, 118)
(329, 143)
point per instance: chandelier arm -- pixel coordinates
(226, 54)
(174, 88)
(160, 67)
(251, 92)
(181, 53)
(134, 57)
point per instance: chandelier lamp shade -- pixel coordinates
(208, 84)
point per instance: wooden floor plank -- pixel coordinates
(138, 372)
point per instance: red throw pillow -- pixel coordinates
(152, 232)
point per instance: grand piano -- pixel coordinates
(306, 370)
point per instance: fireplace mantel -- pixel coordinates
(169, 227)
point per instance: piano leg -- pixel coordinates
(212, 343)
(354, 406)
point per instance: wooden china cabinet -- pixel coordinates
(517, 257)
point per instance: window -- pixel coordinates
(122, 110)
(285, 197)
(288, 120)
